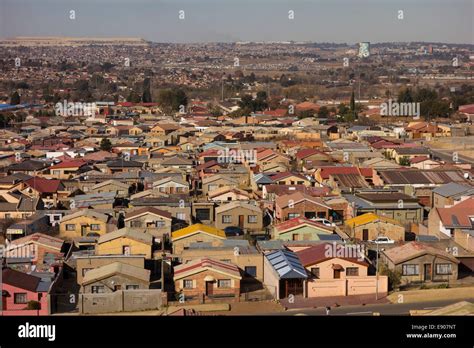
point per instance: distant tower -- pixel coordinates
(364, 49)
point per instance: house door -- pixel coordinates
(241, 221)
(209, 288)
(427, 272)
(365, 234)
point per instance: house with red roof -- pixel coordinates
(336, 269)
(467, 111)
(299, 204)
(50, 190)
(323, 174)
(205, 279)
(444, 222)
(308, 156)
(24, 294)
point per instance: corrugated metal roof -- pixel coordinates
(329, 237)
(286, 264)
(452, 189)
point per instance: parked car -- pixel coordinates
(325, 222)
(233, 231)
(382, 240)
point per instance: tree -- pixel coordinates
(15, 98)
(146, 91)
(353, 104)
(133, 97)
(394, 277)
(105, 144)
(405, 96)
(404, 161)
(323, 112)
(172, 99)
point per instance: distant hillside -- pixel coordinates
(71, 41)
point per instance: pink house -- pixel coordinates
(18, 289)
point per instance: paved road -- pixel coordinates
(448, 156)
(383, 309)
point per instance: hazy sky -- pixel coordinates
(243, 20)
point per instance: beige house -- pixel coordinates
(120, 189)
(244, 215)
(156, 222)
(113, 277)
(212, 183)
(85, 223)
(126, 241)
(89, 262)
(419, 262)
(227, 193)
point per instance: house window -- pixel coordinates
(224, 283)
(126, 250)
(70, 227)
(160, 224)
(188, 284)
(136, 223)
(132, 287)
(95, 227)
(443, 268)
(251, 271)
(410, 270)
(252, 219)
(20, 297)
(226, 219)
(293, 215)
(352, 271)
(315, 271)
(98, 289)
(8, 216)
(203, 214)
(181, 216)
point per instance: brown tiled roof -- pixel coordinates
(413, 250)
(20, 280)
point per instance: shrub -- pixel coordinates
(33, 305)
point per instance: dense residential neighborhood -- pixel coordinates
(176, 214)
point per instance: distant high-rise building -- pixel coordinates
(364, 49)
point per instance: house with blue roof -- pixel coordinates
(283, 274)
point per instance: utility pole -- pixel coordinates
(377, 274)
